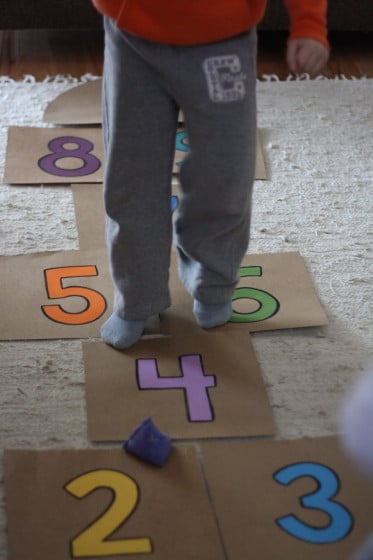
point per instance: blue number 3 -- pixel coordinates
(341, 520)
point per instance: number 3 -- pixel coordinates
(341, 520)
(93, 540)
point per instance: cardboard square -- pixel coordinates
(274, 292)
(79, 287)
(255, 485)
(197, 386)
(53, 155)
(78, 105)
(64, 504)
(89, 215)
(260, 168)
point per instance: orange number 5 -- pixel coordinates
(95, 302)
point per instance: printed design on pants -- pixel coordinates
(225, 80)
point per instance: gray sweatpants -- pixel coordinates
(145, 84)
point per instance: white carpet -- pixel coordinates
(317, 139)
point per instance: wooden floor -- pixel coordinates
(42, 53)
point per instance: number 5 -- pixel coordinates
(95, 302)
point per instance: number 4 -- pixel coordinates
(193, 381)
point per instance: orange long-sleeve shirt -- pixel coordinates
(191, 22)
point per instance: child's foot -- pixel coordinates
(209, 316)
(121, 333)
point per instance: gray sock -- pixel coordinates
(121, 333)
(209, 316)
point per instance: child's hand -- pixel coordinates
(306, 55)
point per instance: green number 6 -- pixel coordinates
(268, 304)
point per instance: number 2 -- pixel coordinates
(93, 540)
(341, 520)
(95, 302)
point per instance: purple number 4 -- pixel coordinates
(193, 381)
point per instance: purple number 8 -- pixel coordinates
(59, 151)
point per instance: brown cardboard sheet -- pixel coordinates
(106, 503)
(53, 295)
(53, 155)
(68, 294)
(69, 155)
(260, 167)
(78, 105)
(287, 499)
(199, 385)
(89, 215)
(275, 291)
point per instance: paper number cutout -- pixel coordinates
(93, 541)
(341, 520)
(95, 302)
(174, 202)
(60, 151)
(181, 146)
(193, 381)
(268, 304)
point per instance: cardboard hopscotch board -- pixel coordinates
(255, 499)
(203, 384)
(69, 155)
(68, 294)
(275, 290)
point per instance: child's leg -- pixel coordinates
(213, 221)
(140, 121)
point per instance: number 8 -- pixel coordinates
(59, 151)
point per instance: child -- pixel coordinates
(200, 56)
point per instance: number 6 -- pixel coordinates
(268, 304)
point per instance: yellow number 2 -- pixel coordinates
(93, 540)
